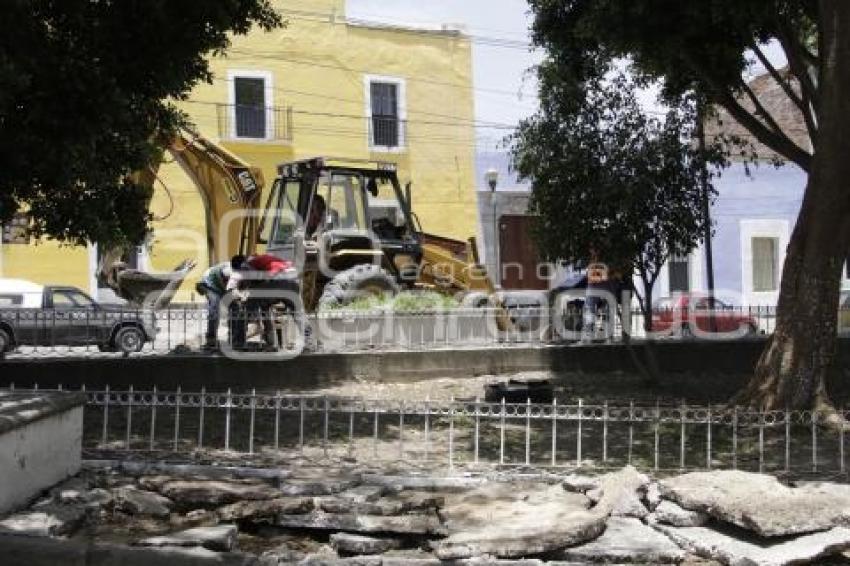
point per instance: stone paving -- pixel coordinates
(354, 514)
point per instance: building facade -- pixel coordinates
(324, 85)
(754, 214)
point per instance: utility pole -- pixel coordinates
(709, 258)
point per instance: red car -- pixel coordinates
(679, 315)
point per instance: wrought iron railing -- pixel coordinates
(456, 433)
(243, 122)
(387, 132)
(87, 332)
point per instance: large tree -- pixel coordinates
(87, 91)
(609, 177)
(705, 48)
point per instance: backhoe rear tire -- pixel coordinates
(355, 283)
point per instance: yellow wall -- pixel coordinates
(47, 263)
(318, 66)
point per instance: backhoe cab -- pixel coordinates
(346, 225)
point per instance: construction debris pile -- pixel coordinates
(353, 515)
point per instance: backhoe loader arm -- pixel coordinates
(230, 189)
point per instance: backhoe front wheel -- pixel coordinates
(356, 283)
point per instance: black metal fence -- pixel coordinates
(458, 433)
(63, 332)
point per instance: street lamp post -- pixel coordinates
(492, 178)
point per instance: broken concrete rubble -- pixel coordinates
(627, 540)
(139, 502)
(48, 520)
(621, 493)
(501, 519)
(348, 544)
(425, 524)
(758, 502)
(221, 538)
(314, 487)
(668, 513)
(211, 493)
(732, 548)
(265, 509)
(510, 521)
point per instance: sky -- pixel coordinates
(505, 88)
(504, 80)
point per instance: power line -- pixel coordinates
(360, 102)
(361, 117)
(306, 15)
(276, 57)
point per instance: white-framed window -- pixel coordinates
(386, 111)
(679, 274)
(250, 113)
(763, 243)
(845, 279)
(765, 266)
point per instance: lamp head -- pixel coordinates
(492, 178)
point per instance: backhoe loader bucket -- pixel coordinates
(147, 290)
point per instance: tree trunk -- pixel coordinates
(792, 370)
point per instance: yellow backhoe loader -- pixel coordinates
(346, 225)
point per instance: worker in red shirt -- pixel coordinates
(258, 268)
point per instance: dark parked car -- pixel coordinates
(35, 315)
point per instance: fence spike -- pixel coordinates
(814, 441)
(787, 439)
(105, 436)
(129, 418)
(477, 427)
(227, 405)
(842, 423)
(301, 424)
(761, 440)
(451, 433)
(578, 434)
(153, 420)
(631, 429)
(528, 431)
(178, 399)
(326, 426)
(252, 421)
(655, 433)
(682, 437)
(605, 433)
(502, 434)
(201, 417)
(401, 430)
(708, 439)
(277, 422)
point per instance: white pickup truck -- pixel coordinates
(54, 315)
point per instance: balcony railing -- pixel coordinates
(387, 132)
(242, 122)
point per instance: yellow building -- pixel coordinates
(323, 85)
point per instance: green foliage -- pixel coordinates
(84, 98)
(406, 301)
(692, 47)
(610, 180)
